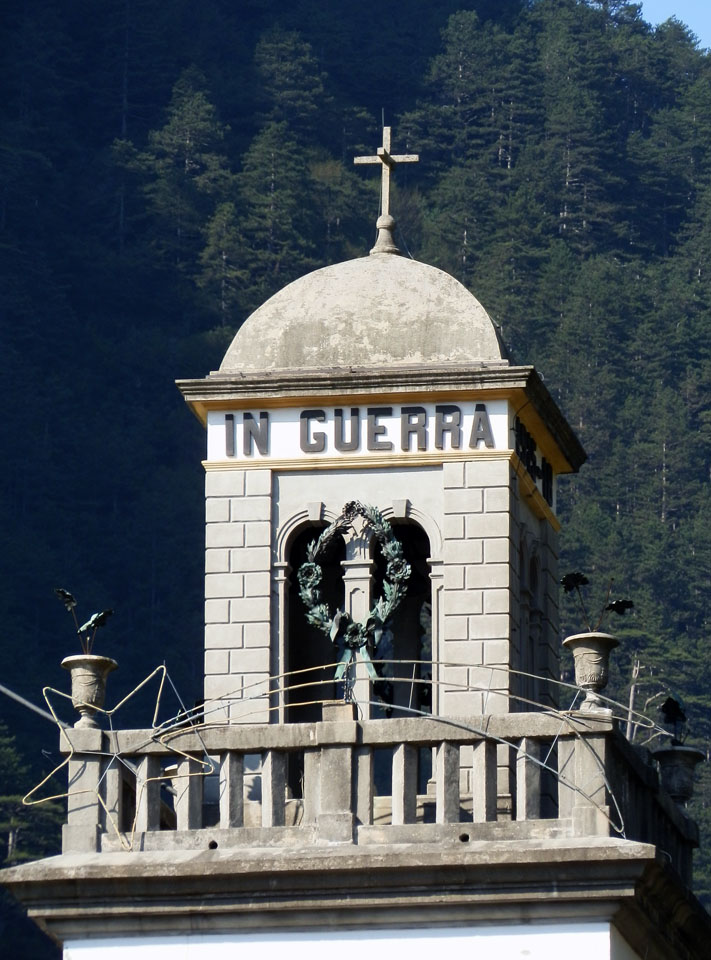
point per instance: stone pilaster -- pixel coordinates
(238, 595)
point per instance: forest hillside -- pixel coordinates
(167, 165)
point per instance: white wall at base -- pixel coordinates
(583, 941)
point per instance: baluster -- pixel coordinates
(113, 785)
(273, 788)
(231, 790)
(312, 787)
(148, 794)
(364, 785)
(404, 793)
(528, 780)
(188, 794)
(566, 772)
(447, 783)
(484, 781)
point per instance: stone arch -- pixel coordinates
(317, 517)
(527, 685)
(289, 619)
(424, 520)
(413, 630)
(299, 665)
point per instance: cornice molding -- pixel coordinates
(281, 388)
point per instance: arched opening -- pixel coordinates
(309, 652)
(406, 654)
(526, 683)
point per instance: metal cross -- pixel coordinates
(385, 158)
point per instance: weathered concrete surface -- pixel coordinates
(379, 309)
(221, 890)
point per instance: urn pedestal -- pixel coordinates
(677, 765)
(591, 653)
(88, 672)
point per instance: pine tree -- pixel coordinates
(219, 260)
(187, 172)
(291, 81)
(276, 222)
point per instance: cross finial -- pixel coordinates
(387, 161)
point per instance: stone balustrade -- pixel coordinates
(501, 777)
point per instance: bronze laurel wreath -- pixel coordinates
(347, 635)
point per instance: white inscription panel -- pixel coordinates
(357, 430)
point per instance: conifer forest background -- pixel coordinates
(167, 165)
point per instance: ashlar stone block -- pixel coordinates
(487, 575)
(496, 601)
(463, 551)
(462, 652)
(221, 687)
(453, 527)
(454, 576)
(496, 651)
(224, 535)
(250, 508)
(257, 584)
(256, 634)
(456, 628)
(217, 510)
(453, 474)
(497, 550)
(224, 585)
(224, 483)
(463, 601)
(217, 611)
(497, 499)
(463, 501)
(250, 559)
(488, 678)
(217, 661)
(217, 560)
(257, 533)
(489, 627)
(488, 525)
(253, 660)
(258, 483)
(225, 636)
(486, 473)
(462, 703)
(250, 609)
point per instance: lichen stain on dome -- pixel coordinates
(376, 310)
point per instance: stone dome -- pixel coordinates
(378, 310)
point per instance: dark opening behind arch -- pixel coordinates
(411, 629)
(308, 649)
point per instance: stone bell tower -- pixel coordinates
(436, 816)
(383, 380)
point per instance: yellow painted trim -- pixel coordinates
(374, 461)
(529, 491)
(345, 399)
(521, 407)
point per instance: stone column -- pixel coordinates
(282, 571)
(358, 569)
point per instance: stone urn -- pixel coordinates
(677, 765)
(591, 653)
(88, 672)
